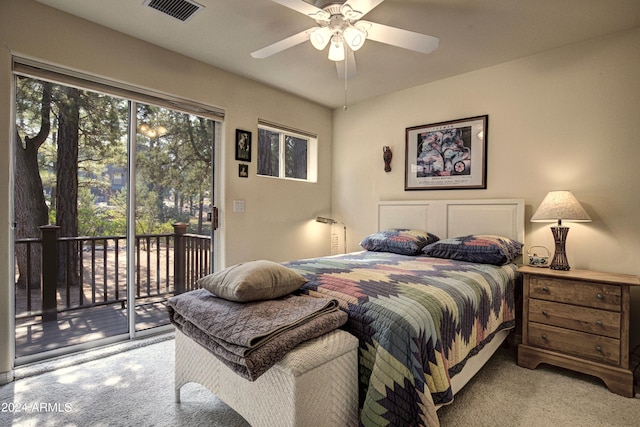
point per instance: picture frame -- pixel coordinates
(243, 145)
(447, 155)
(243, 170)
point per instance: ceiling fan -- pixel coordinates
(340, 27)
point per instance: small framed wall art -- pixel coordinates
(243, 145)
(243, 170)
(447, 155)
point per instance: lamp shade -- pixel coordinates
(354, 37)
(320, 38)
(558, 206)
(336, 49)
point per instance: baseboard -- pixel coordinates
(6, 377)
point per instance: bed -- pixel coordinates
(425, 324)
(451, 218)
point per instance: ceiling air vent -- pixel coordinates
(179, 9)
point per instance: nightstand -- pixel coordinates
(579, 320)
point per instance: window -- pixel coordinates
(115, 170)
(285, 153)
(118, 178)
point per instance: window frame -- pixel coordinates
(284, 132)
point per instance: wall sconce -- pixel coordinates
(326, 220)
(556, 206)
(386, 156)
(332, 221)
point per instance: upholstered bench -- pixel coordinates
(315, 384)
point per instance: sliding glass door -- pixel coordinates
(111, 204)
(173, 199)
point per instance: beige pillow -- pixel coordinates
(252, 281)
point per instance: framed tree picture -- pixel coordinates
(243, 145)
(447, 155)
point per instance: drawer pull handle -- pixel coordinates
(600, 296)
(599, 322)
(544, 312)
(599, 349)
(544, 337)
(545, 289)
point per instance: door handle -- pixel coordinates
(214, 218)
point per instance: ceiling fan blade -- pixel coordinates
(277, 47)
(350, 64)
(356, 9)
(305, 8)
(401, 38)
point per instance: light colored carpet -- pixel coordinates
(503, 393)
(128, 388)
(135, 388)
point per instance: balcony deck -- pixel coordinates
(84, 325)
(78, 291)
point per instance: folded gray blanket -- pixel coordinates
(251, 337)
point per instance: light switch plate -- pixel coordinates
(238, 205)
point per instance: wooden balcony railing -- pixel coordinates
(82, 272)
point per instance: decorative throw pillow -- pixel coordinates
(480, 248)
(398, 240)
(252, 281)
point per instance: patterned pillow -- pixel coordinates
(252, 281)
(480, 248)
(399, 241)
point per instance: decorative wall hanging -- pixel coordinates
(447, 155)
(243, 145)
(243, 170)
(386, 156)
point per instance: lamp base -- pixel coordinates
(559, 261)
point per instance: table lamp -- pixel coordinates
(559, 206)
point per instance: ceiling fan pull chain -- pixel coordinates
(346, 74)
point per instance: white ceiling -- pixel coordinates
(473, 34)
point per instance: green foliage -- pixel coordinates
(96, 219)
(174, 165)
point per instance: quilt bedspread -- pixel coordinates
(418, 320)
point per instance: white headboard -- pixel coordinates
(453, 218)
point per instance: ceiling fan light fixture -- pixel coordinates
(320, 38)
(354, 37)
(336, 50)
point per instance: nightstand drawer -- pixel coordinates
(596, 295)
(583, 319)
(580, 344)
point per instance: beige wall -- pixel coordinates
(563, 119)
(276, 223)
